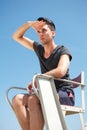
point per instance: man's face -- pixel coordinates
(45, 34)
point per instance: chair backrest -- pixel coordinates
(76, 79)
(79, 79)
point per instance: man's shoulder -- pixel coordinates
(61, 46)
(37, 46)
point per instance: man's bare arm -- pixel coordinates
(62, 67)
(19, 34)
(20, 38)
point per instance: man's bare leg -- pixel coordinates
(36, 116)
(20, 103)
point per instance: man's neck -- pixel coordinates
(48, 48)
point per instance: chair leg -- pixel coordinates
(82, 121)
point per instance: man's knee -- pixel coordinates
(33, 102)
(16, 100)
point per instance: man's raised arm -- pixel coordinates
(19, 34)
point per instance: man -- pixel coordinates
(54, 60)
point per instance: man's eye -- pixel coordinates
(38, 31)
(43, 30)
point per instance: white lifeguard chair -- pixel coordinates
(53, 112)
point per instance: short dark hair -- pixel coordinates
(48, 22)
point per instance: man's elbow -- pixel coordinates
(16, 37)
(62, 72)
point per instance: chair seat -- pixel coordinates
(72, 109)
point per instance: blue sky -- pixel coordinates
(18, 64)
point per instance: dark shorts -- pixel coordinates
(66, 97)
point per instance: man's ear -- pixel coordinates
(53, 32)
